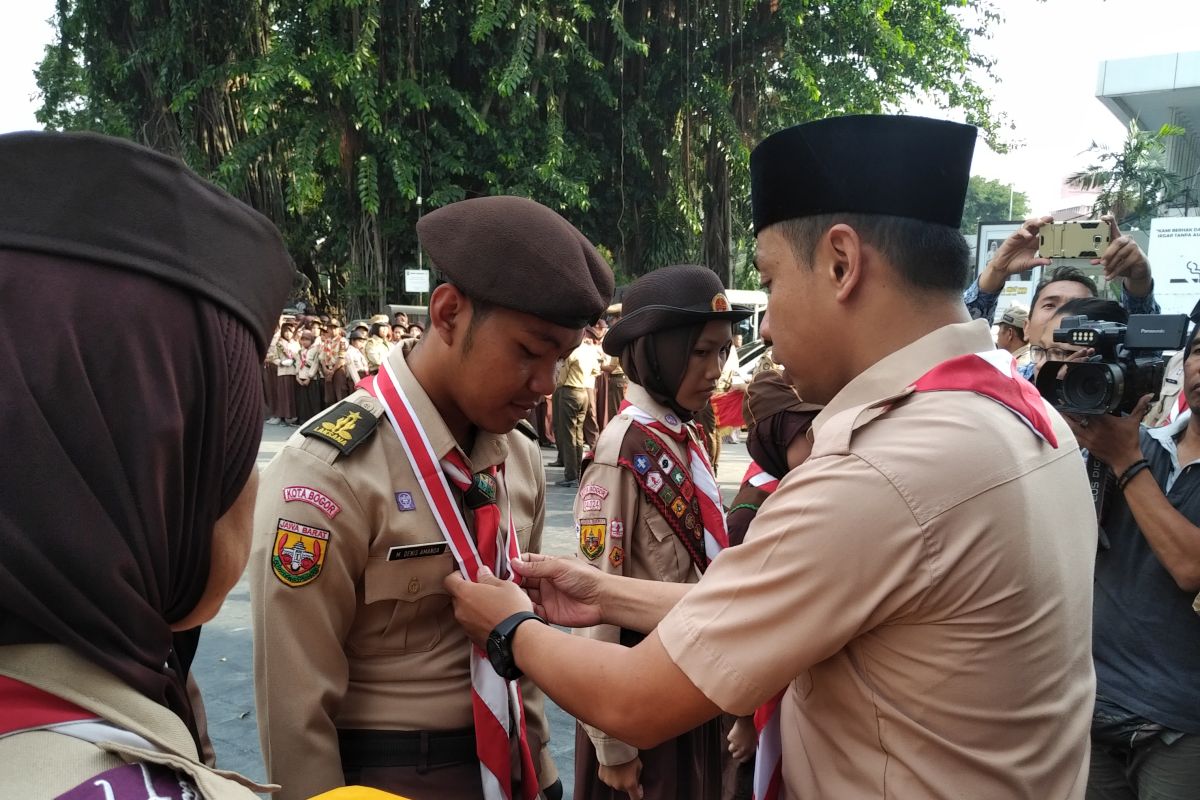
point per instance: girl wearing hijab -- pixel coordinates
(285, 355)
(126, 512)
(309, 399)
(649, 506)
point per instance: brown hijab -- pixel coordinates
(121, 452)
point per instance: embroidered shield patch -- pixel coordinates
(299, 552)
(592, 533)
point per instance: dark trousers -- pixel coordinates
(337, 386)
(1148, 770)
(617, 384)
(569, 413)
(591, 426)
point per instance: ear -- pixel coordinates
(448, 313)
(845, 266)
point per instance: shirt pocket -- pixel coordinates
(665, 553)
(406, 607)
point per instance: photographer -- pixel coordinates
(1123, 262)
(1146, 637)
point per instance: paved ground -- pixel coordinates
(223, 663)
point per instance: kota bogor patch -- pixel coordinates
(299, 552)
(316, 499)
(592, 533)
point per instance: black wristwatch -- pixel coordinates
(499, 645)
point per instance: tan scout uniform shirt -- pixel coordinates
(634, 538)
(923, 587)
(370, 643)
(43, 764)
(1160, 410)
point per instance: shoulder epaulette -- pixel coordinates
(525, 428)
(345, 426)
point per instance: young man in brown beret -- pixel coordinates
(362, 674)
(928, 611)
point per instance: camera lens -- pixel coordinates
(1092, 387)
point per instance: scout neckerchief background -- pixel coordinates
(496, 703)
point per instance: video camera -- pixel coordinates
(1126, 365)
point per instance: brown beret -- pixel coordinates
(518, 254)
(102, 199)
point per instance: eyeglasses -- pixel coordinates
(1041, 354)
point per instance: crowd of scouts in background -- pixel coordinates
(313, 362)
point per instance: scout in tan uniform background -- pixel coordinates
(362, 675)
(125, 516)
(638, 512)
(927, 608)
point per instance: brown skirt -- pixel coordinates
(270, 376)
(310, 400)
(285, 396)
(688, 766)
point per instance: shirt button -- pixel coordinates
(414, 586)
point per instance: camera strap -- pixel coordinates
(1100, 478)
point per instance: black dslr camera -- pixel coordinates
(1126, 365)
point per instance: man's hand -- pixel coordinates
(1017, 254)
(1113, 440)
(743, 739)
(624, 778)
(564, 591)
(479, 607)
(1124, 261)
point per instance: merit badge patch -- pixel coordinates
(318, 500)
(405, 502)
(592, 533)
(678, 477)
(666, 494)
(655, 481)
(616, 529)
(299, 552)
(679, 507)
(688, 490)
(652, 447)
(345, 426)
(641, 464)
(689, 521)
(665, 463)
(616, 556)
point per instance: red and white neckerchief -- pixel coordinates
(712, 512)
(759, 478)
(496, 704)
(992, 374)
(1175, 410)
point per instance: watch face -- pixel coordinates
(496, 655)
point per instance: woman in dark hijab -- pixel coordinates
(649, 506)
(129, 471)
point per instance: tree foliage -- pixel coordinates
(1133, 181)
(993, 200)
(344, 120)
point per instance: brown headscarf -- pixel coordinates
(776, 416)
(658, 361)
(121, 452)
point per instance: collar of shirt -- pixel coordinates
(892, 374)
(1166, 436)
(490, 449)
(641, 398)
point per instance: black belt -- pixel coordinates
(421, 749)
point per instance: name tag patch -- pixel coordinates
(404, 551)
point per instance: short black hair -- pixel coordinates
(928, 256)
(1064, 273)
(376, 327)
(480, 310)
(1095, 309)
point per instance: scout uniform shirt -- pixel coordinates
(922, 585)
(352, 626)
(621, 533)
(36, 764)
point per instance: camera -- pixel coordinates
(1126, 365)
(1074, 239)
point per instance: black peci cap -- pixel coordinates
(110, 201)
(671, 297)
(518, 254)
(898, 166)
